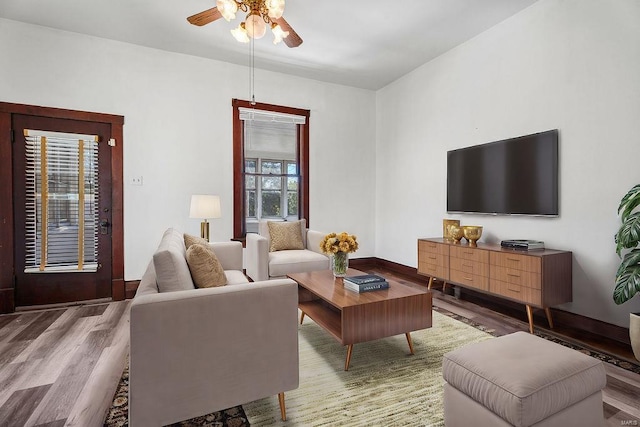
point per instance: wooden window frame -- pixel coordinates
(7, 301)
(239, 231)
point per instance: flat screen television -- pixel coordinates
(516, 176)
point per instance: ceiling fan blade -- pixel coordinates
(205, 17)
(293, 39)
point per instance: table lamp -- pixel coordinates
(205, 207)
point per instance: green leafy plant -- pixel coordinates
(628, 238)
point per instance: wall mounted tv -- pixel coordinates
(517, 176)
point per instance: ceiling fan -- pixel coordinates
(261, 13)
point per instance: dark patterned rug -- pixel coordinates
(550, 336)
(119, 412)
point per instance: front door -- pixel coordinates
(62, 210)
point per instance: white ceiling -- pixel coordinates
(357, 42)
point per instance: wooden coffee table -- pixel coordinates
(352, 317)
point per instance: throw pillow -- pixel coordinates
(205, 268)
(193, 240)
(285, 236)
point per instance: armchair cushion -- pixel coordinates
(205, 268)
(263, 229)
(285, 236)
(282, 263)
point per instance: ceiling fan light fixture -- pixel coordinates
(278, 33)
(255, 25)
(275, 8)
(240, 33)
(227, 9)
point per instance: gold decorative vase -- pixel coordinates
(472, 233)
(446, 228)
(456, 233)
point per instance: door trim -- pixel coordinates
(7, 286)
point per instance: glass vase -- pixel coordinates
(340, 264)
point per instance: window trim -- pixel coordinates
(238, 160)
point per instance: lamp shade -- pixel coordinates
(205, 206)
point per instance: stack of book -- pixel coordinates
(365, 283)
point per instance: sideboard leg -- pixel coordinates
(444, 287)
(301, 317)
(549, 318)
(530, 316)
(430, 283)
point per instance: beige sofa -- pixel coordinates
(263, 265)
(195, 351)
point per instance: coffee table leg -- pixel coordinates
(348, 361)
(301, 317)
(410, 342)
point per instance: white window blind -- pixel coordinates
(62, 217)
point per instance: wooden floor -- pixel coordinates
(61, 366)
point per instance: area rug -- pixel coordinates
(385, 385)
(118, 414)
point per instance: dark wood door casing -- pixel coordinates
(238, 160)
(7, 287)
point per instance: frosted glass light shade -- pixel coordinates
(240, 33)
(205, 206)
(275, 7)
(278, 33)
(227, 9)
(255, 26)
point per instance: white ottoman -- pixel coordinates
(522, 380)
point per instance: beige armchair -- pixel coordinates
(262, 264)
(199, 350)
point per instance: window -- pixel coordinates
(271, 164)
(62, 209)
(276, 196)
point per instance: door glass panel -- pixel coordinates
(62, 217)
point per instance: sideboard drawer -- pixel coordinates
(517, 261)
(433, 270)
(431, 258)
(518, 293)
(468, 253)
(516, 277)
(432, 247)
(470, 280)
(470, 267)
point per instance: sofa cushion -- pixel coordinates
(282, 263)
(192, 240)
(205, 268)
(170, 263)
(523, 378)
(235, 277)
(285, 236)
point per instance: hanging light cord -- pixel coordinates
(252, 77)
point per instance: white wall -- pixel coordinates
(566, 64)
(178, 128)
(573, 65)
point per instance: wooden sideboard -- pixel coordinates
(540, 278)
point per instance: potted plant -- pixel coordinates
(628, 274)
